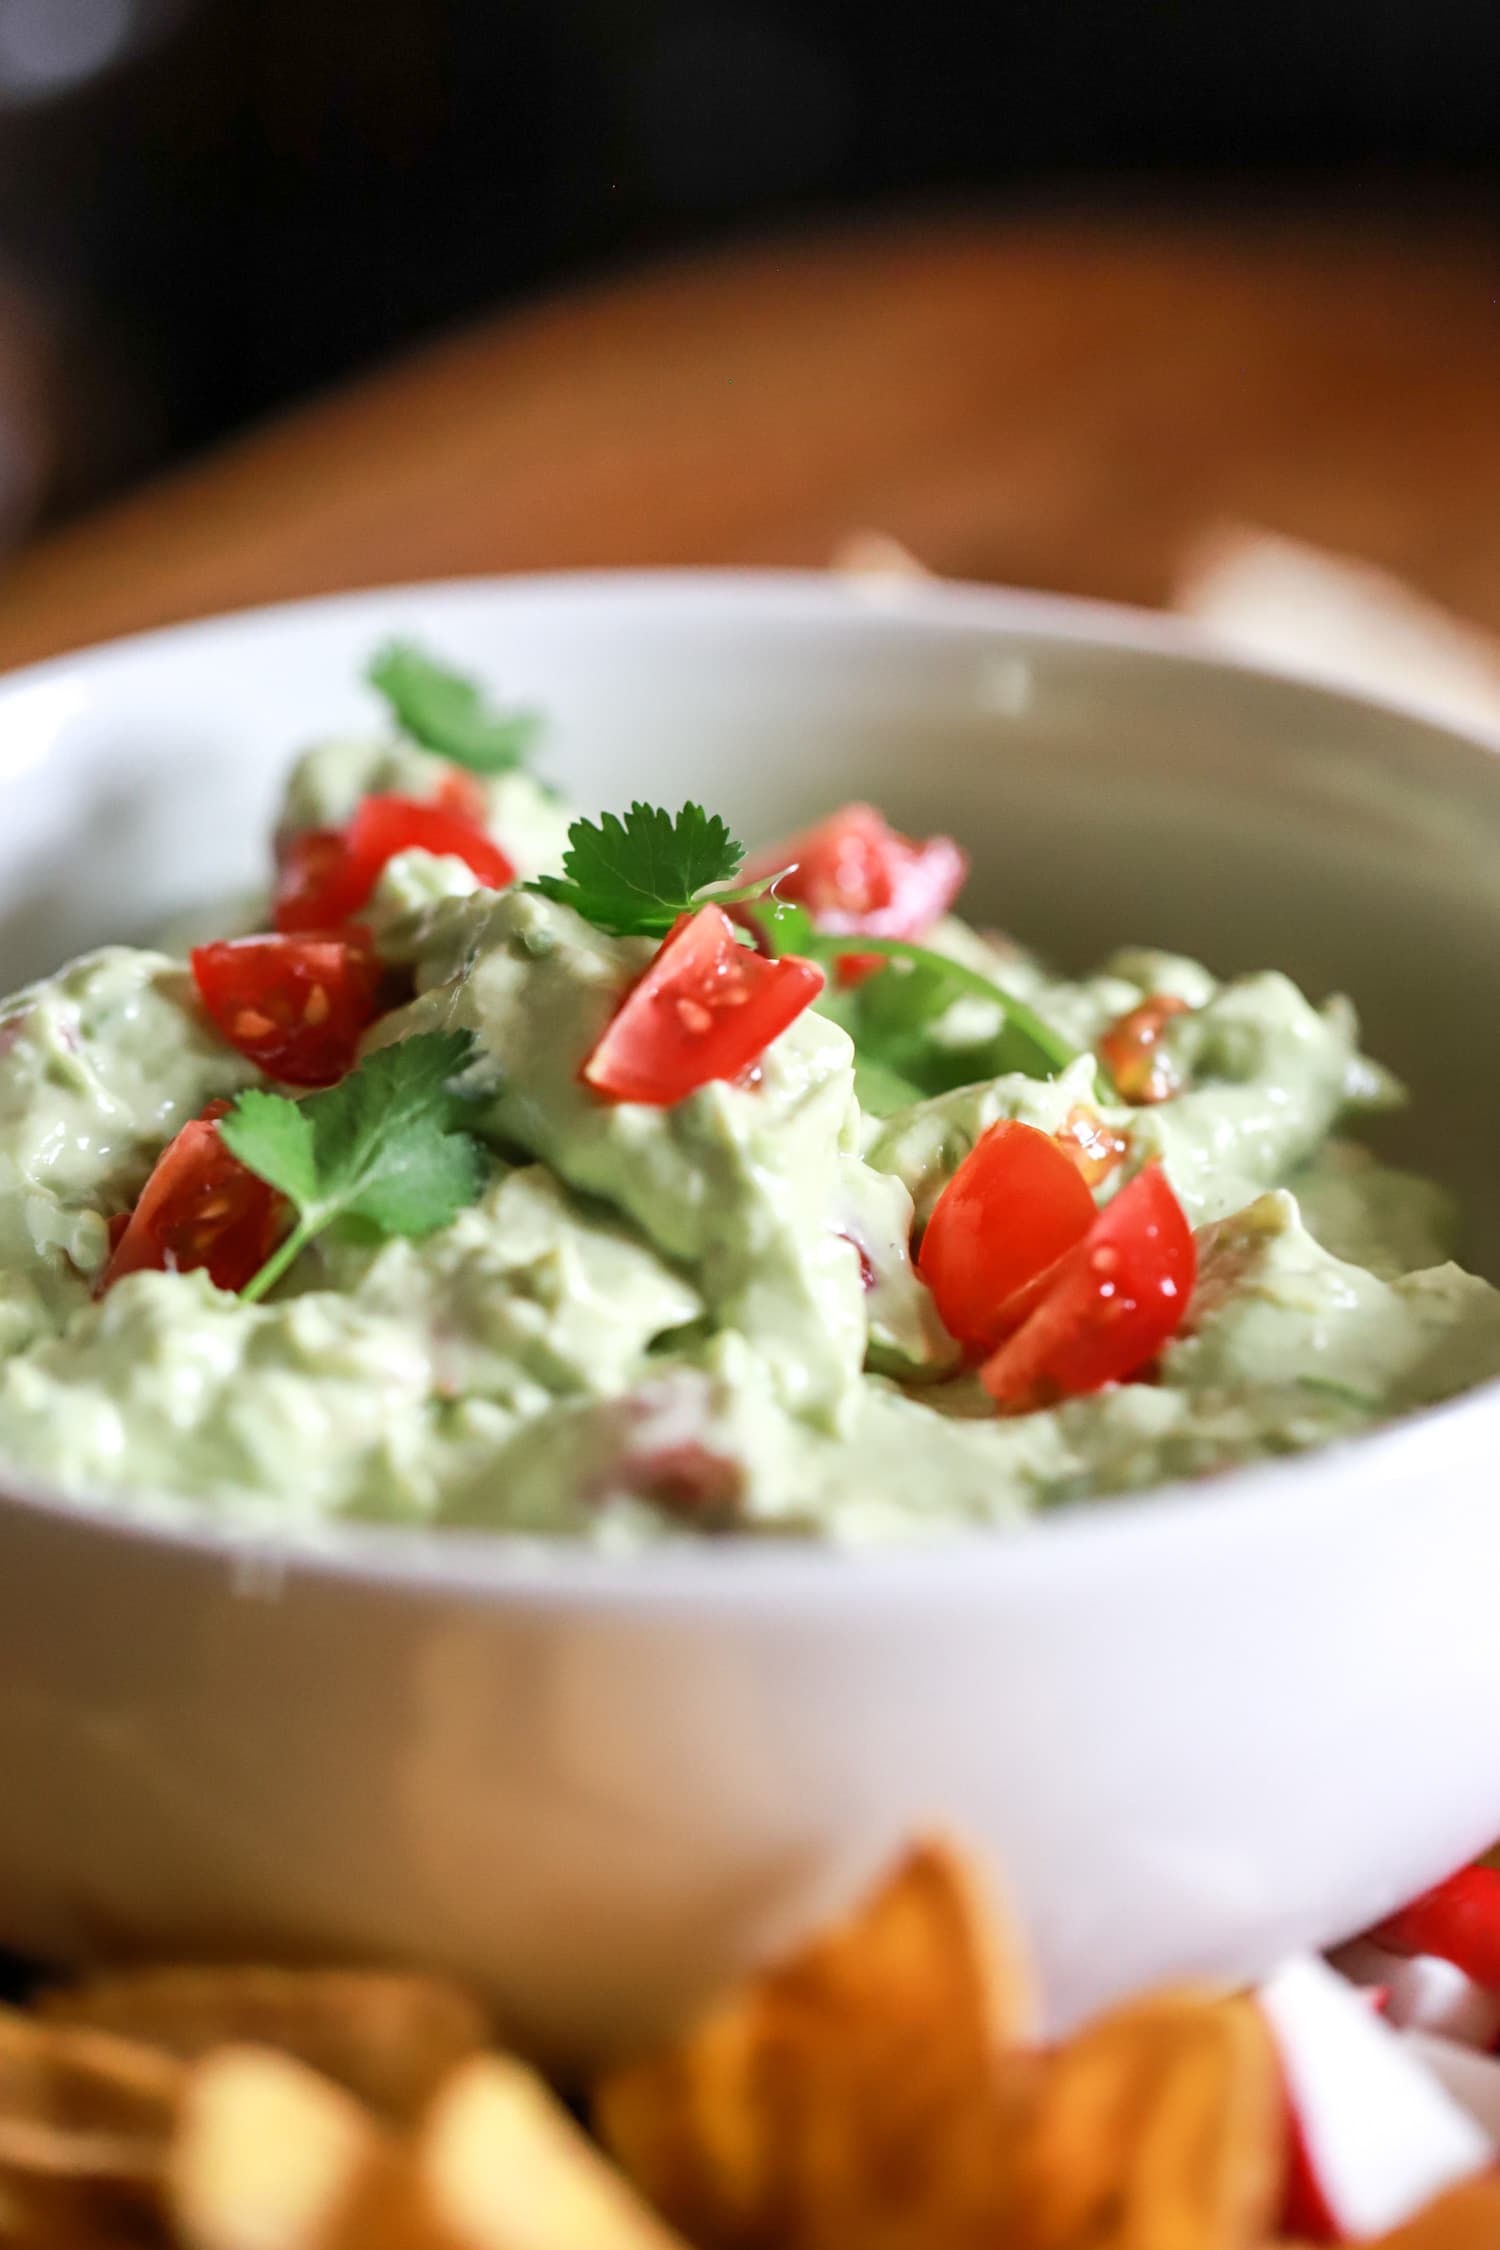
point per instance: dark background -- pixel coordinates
(208, 207)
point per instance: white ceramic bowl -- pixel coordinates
(1195, 1730)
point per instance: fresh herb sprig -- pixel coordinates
(634, 877)
(927, 983)
(448, 713)
(383, 1147)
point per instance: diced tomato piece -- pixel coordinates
(1133, 1053)
(1107, 1307)
(317, 885)
(1457, 1921)
(856, 873)
(1012, 1208)
(200, 1208)
(460, 794)
(294, 1005)
(1096, 1148)
(327, 874)
(708, 1007)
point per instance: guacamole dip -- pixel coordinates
(574, 1178)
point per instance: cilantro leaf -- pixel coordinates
(380, 1147)
(274, 1136)
(635, 876)
(448, 713)
(890, 1015)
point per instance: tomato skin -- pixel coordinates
(327, 874)
(1132, 1052)
(856, 874)
(201, 1208)
(1014, 1206)
(294, 1005)
(1107, 1307)
(707, 1008)
(460, 794)
(1458, 1921)
(316, 884)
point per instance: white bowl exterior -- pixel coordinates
(1193, 1733)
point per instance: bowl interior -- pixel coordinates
(1112, 786)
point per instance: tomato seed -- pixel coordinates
(694, 1017)
(315, 1007)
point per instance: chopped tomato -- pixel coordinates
(707, 1008)
(295, 1005)
(855, 873)
(1096, 1148)
(1457, 1921)
(1014, 1205)
(327, 874)
(1107, 1307)
(1133, 1053)
(200, 1208)
(460, 794)
(316, 885)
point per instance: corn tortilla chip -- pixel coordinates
(81, 2080)
(390, 2039)
(57, 2214)
(85, 2120)
(853, 2098)
(502, 2166)
(1466, 2218)
(1161, 2126)
(270, 2156)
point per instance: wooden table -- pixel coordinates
(1058, 403)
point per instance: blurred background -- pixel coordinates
(210, 209)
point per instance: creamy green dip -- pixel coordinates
(656, 1322)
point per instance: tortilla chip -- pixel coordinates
(1301, 608)
(269, 2156)
(1466, 2218)
(1161, 2126)
(59, 2214)
(875, 554)
(502, 2166)
(77, 2079)
(85, 2120)
(853, 2099)
(389, 2039)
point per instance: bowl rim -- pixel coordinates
(779, 594)
(772, 1570)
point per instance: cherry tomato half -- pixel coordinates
(856, 873)
(1015, 1204)
(706, 1008)
(327, 874)
(200, 1208)
(1107, 1307)
(294, 1005)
